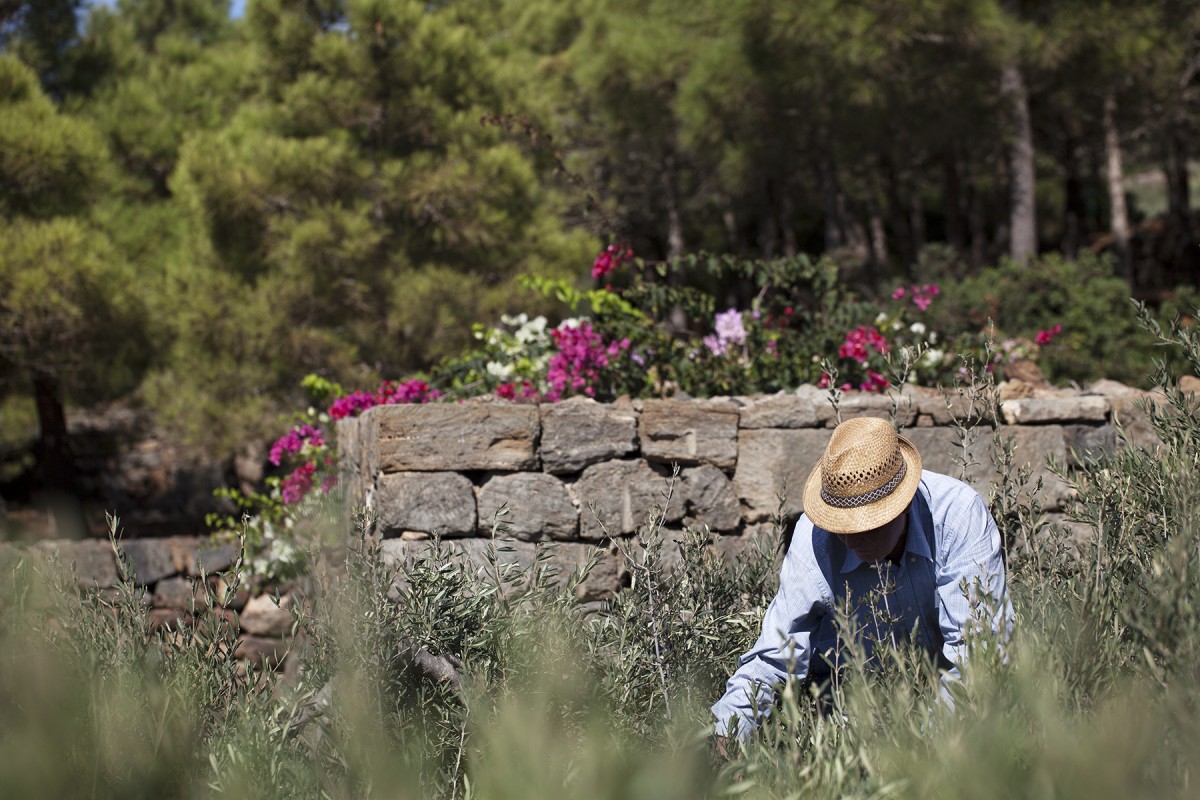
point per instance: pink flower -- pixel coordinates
(825, 381)
(295, 486)
(899, 293)
(388, 393)
(609, 259)
(294, 441)
(581, 355)
(1045, 336)
(859, 340)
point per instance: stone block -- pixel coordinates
(755, 539)
(1085, 441)
(213, 557)
(1036, 410)
(902, 407)
(539, 506)
(709, 498)
(91, 561)
(623, 493)
(808, 410)
(261, 651)
(943, 406)
(452, 436)
(580, 432)
(605, 577)
(262, 616)
(430, 502)
(177, 593)
(151, 560)
(690, 432)
(776, 462)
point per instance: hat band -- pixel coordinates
(875, 495)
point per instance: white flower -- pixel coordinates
(933, 357)
(880, 319)
(933, 337)
(918, 328)
(499, 370)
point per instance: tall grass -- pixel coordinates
(443, 678)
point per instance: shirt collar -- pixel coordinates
(920, 528)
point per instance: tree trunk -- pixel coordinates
(678, 318)
(878, 236)
(1075, 213)
(53, 450)
(976, 224)
(1178, 189)
(786, 211)
(916, 223)
(831, 203)
(674, 218)
(952, 201)
(1023, 182)
(1118, 213)
(896, 211)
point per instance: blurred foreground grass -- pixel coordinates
(533, 695)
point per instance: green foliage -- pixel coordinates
(1099, 338)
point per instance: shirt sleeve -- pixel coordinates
(970, 582)
(784, 646)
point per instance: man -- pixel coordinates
(916, 554)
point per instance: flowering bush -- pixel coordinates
(582, 358)
(609, 259)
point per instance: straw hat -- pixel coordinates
(866, 477)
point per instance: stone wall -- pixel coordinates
(579, 472)
(176, 574)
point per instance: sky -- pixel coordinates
(236, 7)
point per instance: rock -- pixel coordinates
(710, 499)
(260, 651)
(1026, 371)
(430, 502)
(539, 506)
(447, 436)
(262, 617)
(474, 554)
(1189, 384)
(213, 557)
(579, 432)
(809, 410)
(774, 462)
(903, 407)
(623, 493)
(605, 578)
(1032, 410)
(944, 406)
(756, 538)
(690, 432)
(1084, 441)
(170, 619)
(353, 472)
(176, 593)
(151, 560)
(91, 561)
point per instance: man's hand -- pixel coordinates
(719, 751)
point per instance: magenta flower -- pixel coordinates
(388, 393)
(581, 355)
(1046, 336)
(295, 486)
(859, 340)
(294, 441)
(609, 259)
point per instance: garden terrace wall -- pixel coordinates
(177, 575)
(580, 473)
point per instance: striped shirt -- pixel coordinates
(951, 561)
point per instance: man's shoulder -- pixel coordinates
(943, 491)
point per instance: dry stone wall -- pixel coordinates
(581, 473)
